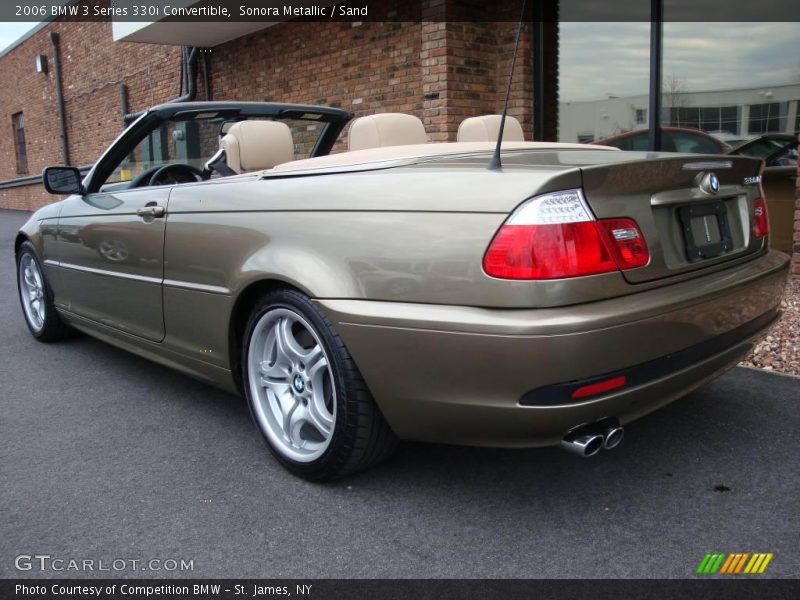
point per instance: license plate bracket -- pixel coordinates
(706, 230)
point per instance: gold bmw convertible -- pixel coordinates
(401, 290)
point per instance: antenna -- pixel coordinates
(495, 163)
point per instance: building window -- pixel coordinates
(716, 119)
(797, 121)
(767, 117)
(641, 116)
(19, 143)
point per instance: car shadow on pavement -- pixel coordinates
(739, 414)
(736, 420)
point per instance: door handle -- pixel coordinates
(151, 211)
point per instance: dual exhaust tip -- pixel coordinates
(588, 440)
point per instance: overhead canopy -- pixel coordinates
(205, 35)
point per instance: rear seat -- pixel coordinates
(486, 128)
(386, 129)
(257, 145)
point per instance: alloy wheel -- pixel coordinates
(31, 291)
(290, 380)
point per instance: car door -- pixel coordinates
(111, 253)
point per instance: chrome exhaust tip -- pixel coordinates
(585, 445)
(612, 437)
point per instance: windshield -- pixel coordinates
(193, 141)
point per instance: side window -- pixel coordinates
(18, 122)
(192, 139)
(185, 142)
(639, 142)
(777, 153)
(758, 149)
(687, 142)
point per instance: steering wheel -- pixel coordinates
(176, 173)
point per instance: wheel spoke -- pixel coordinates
(294, 425)
(274, 373)
(284, 403)
(274, 367)
(37, 277)
(318, 414)
(286, 343)
(36, 305)
(317, 368)
(313, 357)
(29, 280)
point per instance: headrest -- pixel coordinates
(386, 129)
(257, 145)
(486, 128)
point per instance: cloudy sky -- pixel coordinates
(602, 59)
(10, 32)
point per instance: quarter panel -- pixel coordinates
(338, 236)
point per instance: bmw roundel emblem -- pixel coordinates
(710, 183)
(298, 383)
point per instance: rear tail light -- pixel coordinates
(556, 236)
(626, 242)
(760, 218)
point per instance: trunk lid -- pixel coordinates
(696, 213)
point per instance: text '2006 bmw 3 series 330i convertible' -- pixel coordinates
(402, 290)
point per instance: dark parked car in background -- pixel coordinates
(779, 153)
(673, 139)
(777, 150)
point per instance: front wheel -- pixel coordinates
(305, 393)
(36, 298)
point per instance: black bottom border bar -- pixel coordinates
(406, 589)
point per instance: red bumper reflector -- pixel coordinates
(601, 386)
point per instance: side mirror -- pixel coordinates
(62, 180)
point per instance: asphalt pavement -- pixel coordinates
(104, 456)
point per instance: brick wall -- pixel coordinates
(441, 72)
(368, 68)
(93, 67)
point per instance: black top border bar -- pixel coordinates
(352, 11)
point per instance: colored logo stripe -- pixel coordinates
(758, 563)
(711, 562)
(733, 563)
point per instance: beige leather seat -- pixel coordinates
(486, 128)
(257, 145)
(386, 129)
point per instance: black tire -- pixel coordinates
(361, 437)
(53, 328)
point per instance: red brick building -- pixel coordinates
(440, 72)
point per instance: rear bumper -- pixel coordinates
(455, 374)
